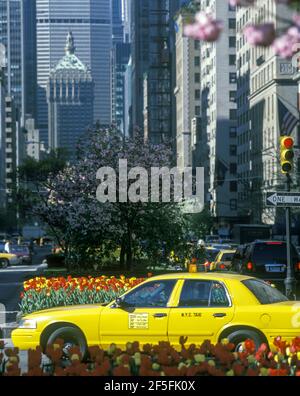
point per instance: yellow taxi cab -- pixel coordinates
(200, 306)
(7, 259)
(223, 260)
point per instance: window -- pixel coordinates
(232, 114)
(233, 168)
(197, 110)
(233, 186)
(232, 96)
(197, 61)
(233, 132)
(197, 94)
(197, 78)
(232, 60)
(232, 78)
(264, 293)
(196, 44)
(200, 293)
(232, 42)
(232, 23)
(150, 295)
(233, 204)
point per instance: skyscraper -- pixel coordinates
(117, 22)
(219, 116)
(70, 100)
(17, 19)
(265, 85)
(151, 33)
(11, 35)
(29, 40)
(91, 23)
(187, 91)
(120, 58)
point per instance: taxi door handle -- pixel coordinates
(160, 315)
(219, 315)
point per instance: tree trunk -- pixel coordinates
(129, 252)
(122, 254)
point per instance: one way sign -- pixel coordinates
(283, 199)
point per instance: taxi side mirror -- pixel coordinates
(119, 303)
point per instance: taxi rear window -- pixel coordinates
(264, 293)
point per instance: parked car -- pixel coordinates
(7, 259)
(198, 306)
(265, 259)
(23, 253)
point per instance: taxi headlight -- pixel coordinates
(27, 324)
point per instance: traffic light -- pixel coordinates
(286, 154)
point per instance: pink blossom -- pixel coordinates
(262, 35)
(204, 28)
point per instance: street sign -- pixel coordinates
(283, 199)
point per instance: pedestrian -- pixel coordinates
(7, 246)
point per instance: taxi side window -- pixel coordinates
(150, 295)
(200, 293)
(195, 293)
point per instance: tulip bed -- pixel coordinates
(42, 293)
(281, 359)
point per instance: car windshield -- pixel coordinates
(264, 293)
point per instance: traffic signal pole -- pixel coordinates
(290, 281)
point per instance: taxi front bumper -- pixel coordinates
(25, 339)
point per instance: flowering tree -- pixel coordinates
(284, 43)
(67, 202)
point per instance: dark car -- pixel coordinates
(23, 253)
(265, 259)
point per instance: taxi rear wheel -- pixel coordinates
(72, 337)
(238, 337)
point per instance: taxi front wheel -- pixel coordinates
(4, 263)
(72, 337)
(238, 338)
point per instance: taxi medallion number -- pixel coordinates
(138, 321)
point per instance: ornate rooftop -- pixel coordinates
(70, 61)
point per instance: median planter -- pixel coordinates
(42, 293)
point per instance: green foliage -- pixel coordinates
(199, 224)
(38, 171)
(38, 300)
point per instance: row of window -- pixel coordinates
(73, 20)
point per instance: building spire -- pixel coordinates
(70, 46)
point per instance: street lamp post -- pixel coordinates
(290, 281)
